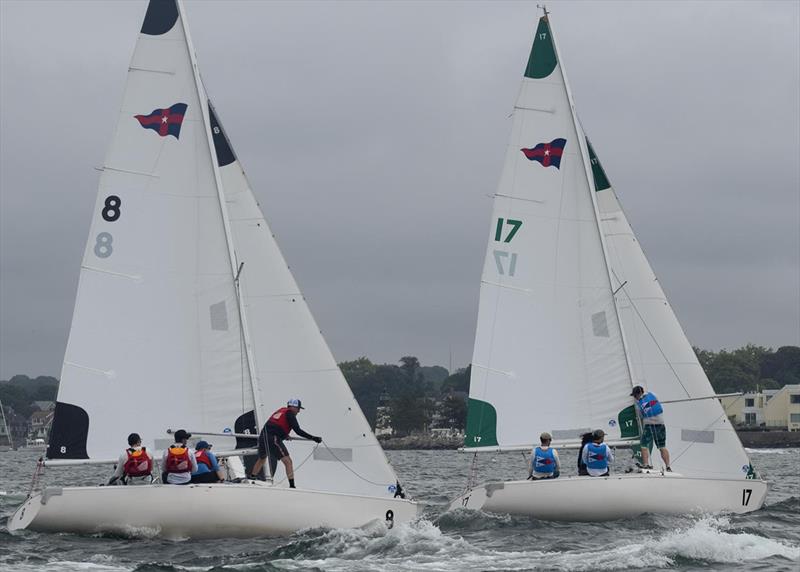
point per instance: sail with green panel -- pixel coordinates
(481, 424)
(542, 60)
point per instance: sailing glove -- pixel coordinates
(317, 439)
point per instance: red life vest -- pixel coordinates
(138, 464)
(279, 419)
(202, 457)
(178, 460)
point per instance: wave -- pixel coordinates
(784, 451)
(62, 565)
(422, 546)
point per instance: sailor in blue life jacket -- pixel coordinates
(653, 428)
(597, 456)
(544, 460)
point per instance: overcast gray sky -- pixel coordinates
(374, 133)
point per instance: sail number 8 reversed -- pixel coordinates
(112, 209)
(506, 261)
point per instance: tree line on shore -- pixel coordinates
(416, 397)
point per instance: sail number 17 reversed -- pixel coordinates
(506, 261)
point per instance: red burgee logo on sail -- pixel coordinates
(165, 121)
(548, 154)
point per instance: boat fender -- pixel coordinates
(51, 492)
(491, 487)
(389, 519)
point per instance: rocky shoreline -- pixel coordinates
(750, 439)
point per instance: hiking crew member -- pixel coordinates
(178, 461)
(653, 429)
(134, 466)
(544, 460)
(275, 432)
(208, 470)
(597, 456)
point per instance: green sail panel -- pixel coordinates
(481, 424)
(598, 173)
(628, 424)
(542, 60)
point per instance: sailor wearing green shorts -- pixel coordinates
(653, 429)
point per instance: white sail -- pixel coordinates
(291, 356)
(549, 353)
(155, 340)
(701, 440)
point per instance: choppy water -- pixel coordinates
(465, 540)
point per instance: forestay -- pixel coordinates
(700, 438)
(549, 353)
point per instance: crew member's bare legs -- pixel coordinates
(665, 456)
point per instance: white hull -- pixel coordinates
(588, 499)
(201, 511)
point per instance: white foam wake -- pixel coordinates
(422, 546)
(786, 451)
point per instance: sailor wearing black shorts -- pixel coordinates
(271, 440)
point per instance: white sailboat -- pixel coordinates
(6, 439)
(572, 317)
(188, 316)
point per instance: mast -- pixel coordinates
(235, 267)
(590, 179)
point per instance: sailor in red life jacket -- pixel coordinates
(272, 436)
(134, 466)
(208, 470)
(178, 461)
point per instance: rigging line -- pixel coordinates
(366, 480)
(652, 336)
(297, 468)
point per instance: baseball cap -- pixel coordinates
(182, 434)
(637, 390)
(202, 445)
(295, 403)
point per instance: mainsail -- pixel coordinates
(291, 356)
(549, 352)
(701, 440)
(187, 314)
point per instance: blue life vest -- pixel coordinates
(544, 461)
(597, 457)
(649, 405)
